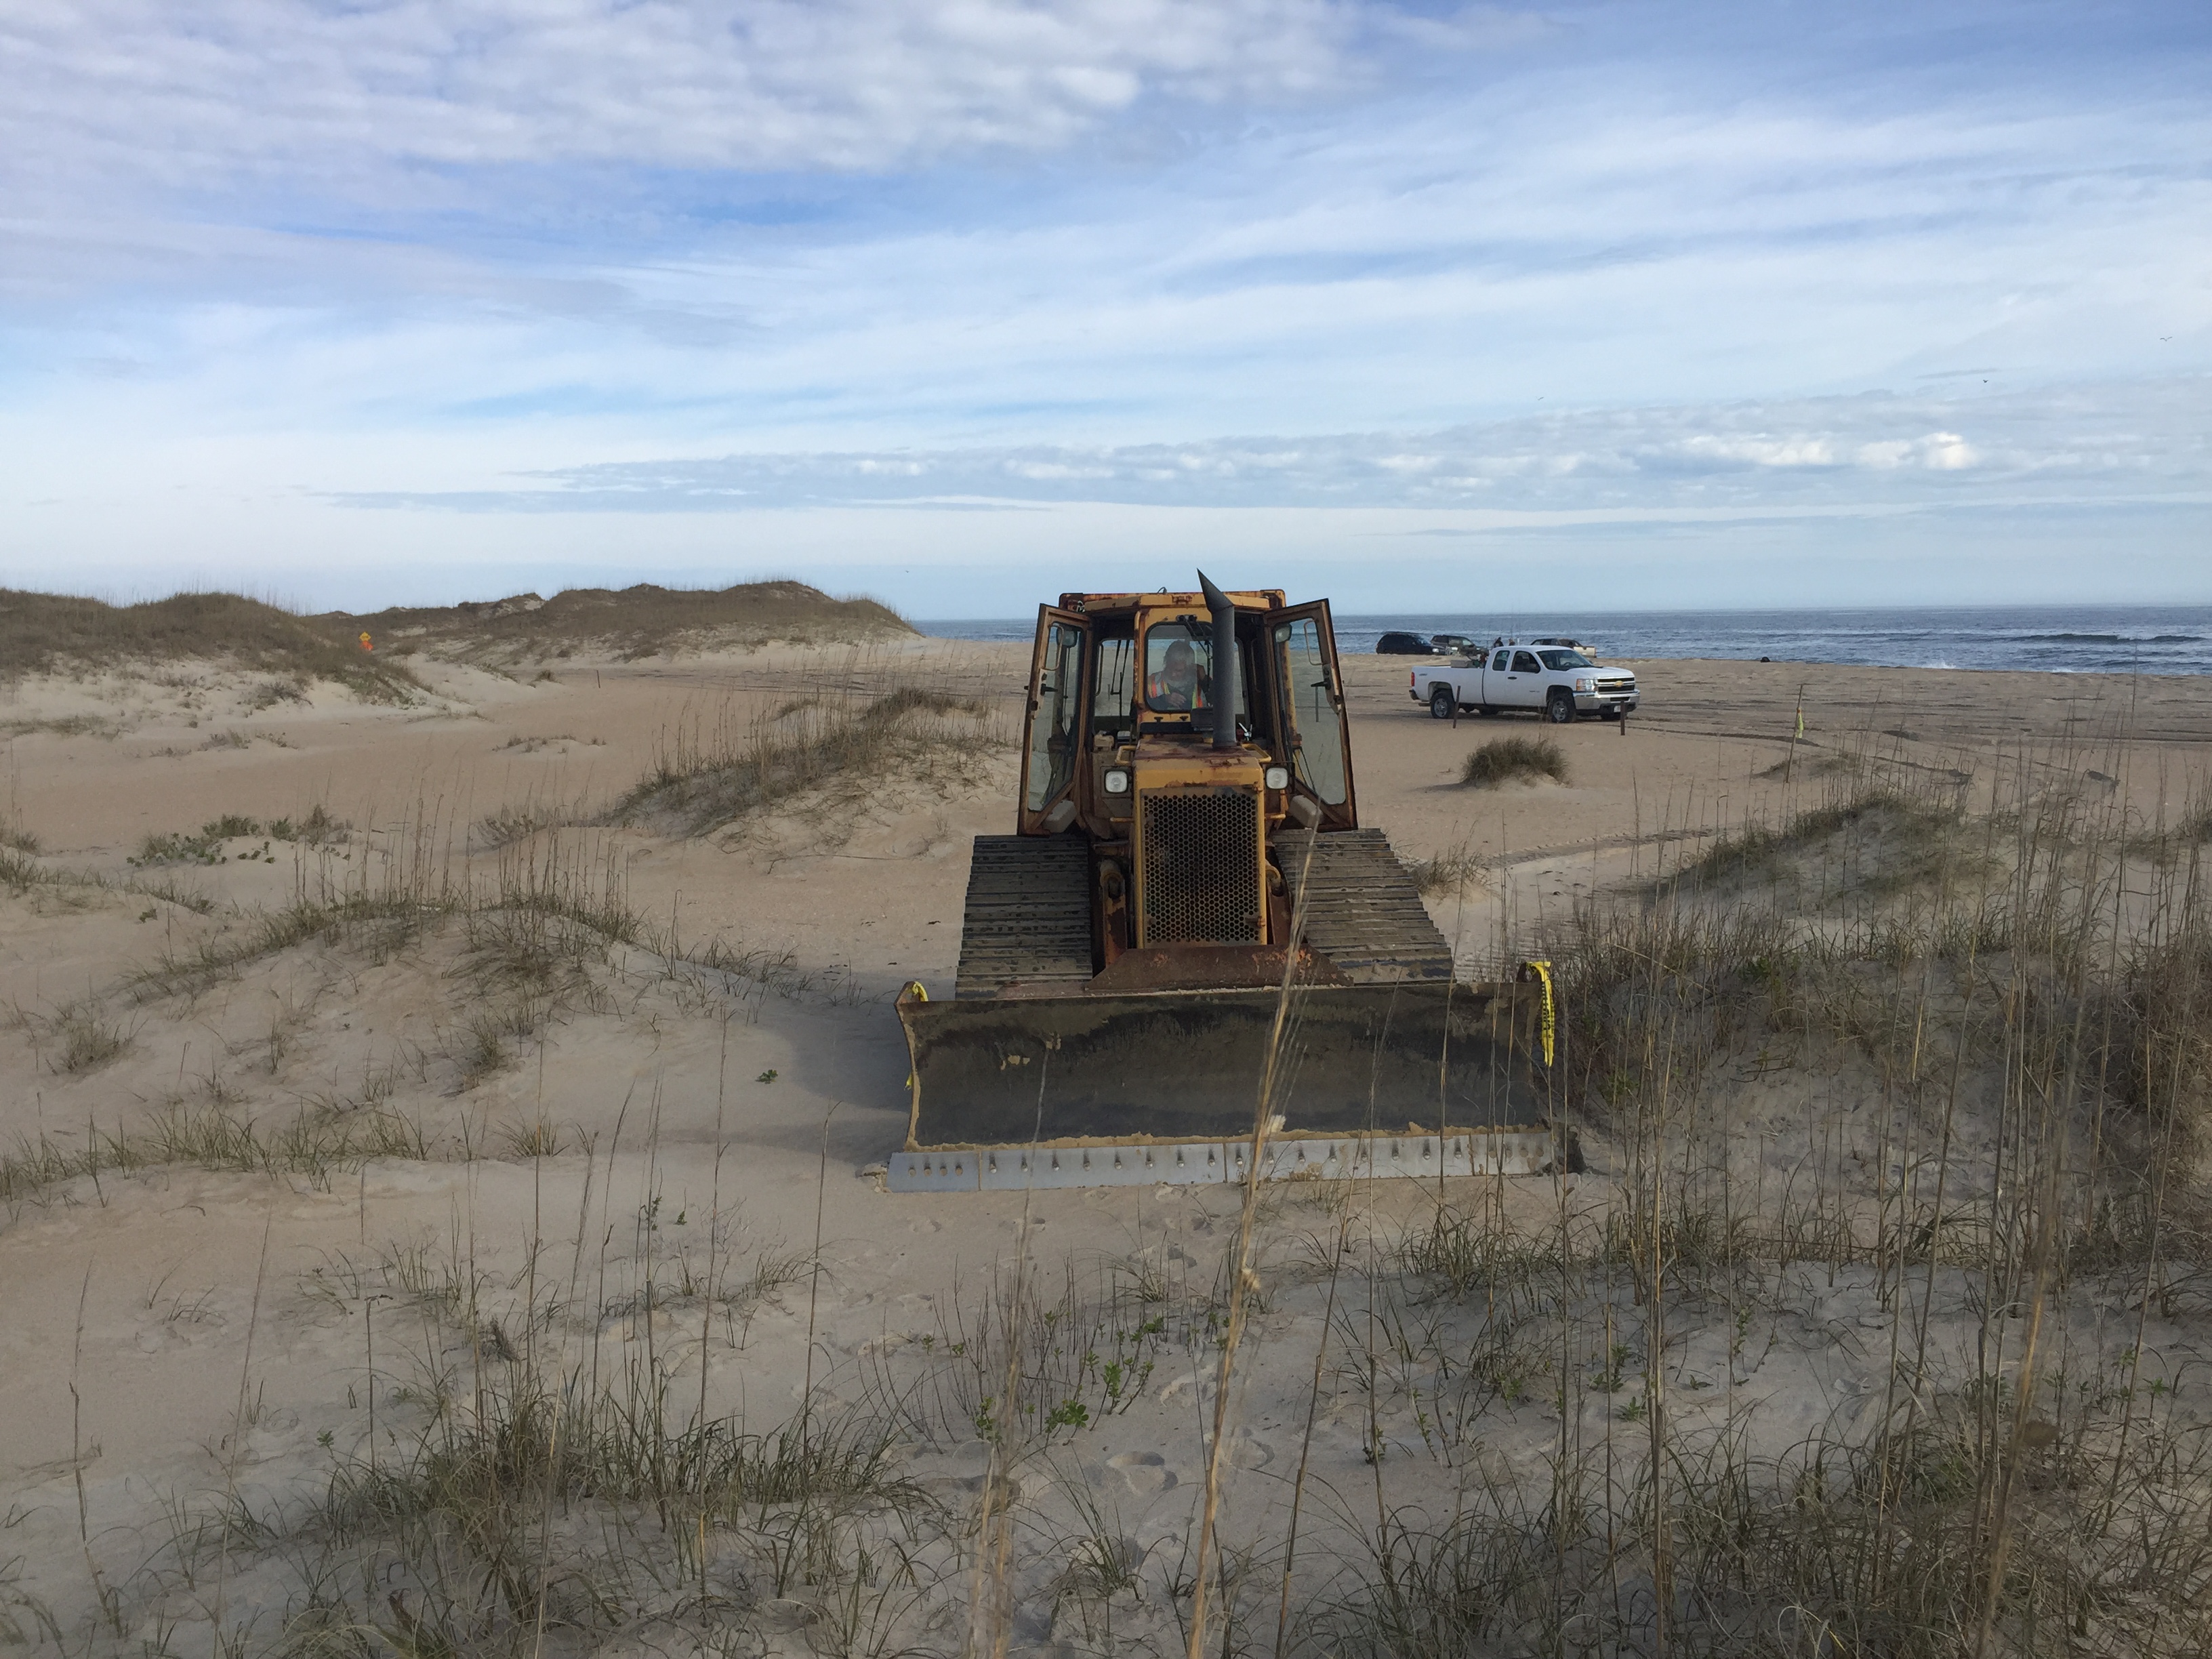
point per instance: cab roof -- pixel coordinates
(1259, 599)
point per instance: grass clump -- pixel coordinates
(271, 692)
(1881, 1547)
(632, 623)
(1509, 760)
(539, 1469)
(510, 825)
(20, 874)
(175, 847)
(83, 1041)
(45, 632)
(206, 846)
(309, 1142)
(852, 742)
(1448, 871)
(1895, 838)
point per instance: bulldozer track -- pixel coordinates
(1363, 911)
(1028, 916)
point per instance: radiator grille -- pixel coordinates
(1201, 866)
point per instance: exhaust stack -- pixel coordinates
(1226, 677)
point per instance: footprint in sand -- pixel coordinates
(1248, 1451)
(1145, 1473)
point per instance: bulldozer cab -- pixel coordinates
(1111, 673)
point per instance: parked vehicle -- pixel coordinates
(1456, 645)
(1403, 644)
(1556, 681)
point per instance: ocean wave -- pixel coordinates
(2144, 639)
(2102, 639)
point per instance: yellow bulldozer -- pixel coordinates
(1189, 914)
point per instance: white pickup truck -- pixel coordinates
(1555, 681)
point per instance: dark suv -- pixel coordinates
(1403, 644)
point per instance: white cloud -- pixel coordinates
(1945, 452)
(1937, 452)
(196, 94)
(1829, 455)
(1762, 451)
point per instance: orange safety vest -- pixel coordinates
(1157, 691)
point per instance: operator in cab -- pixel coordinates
(1175, 685)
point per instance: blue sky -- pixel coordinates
(1414, 306)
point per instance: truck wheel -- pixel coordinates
(1561, 711)
(1443, 702)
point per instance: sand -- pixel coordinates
(174, 1333)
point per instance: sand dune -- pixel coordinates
(388, 1023)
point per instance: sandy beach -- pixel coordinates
(244, 1152)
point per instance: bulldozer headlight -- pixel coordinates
(1117, 780)
(1277, 777)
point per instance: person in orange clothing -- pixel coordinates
(1176, 686)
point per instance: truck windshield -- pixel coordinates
(1565, 659)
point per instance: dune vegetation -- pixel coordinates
(1864, 1312)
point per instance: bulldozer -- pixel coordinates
(1188, 936)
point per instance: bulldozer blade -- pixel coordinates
(1188, 1065)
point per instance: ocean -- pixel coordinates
(2051, 639)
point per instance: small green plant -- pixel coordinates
(1508, 760)
(206, 847)
(173, 848)
(1609, 1380)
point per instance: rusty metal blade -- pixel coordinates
(1188, 1065)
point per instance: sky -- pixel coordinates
(1605, 304)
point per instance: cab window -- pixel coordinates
(1111, 702)
(1178, 667)
(1497, 663)
(1318, 751)
(1565, 659)
(1052, 725)
(1524, 662)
